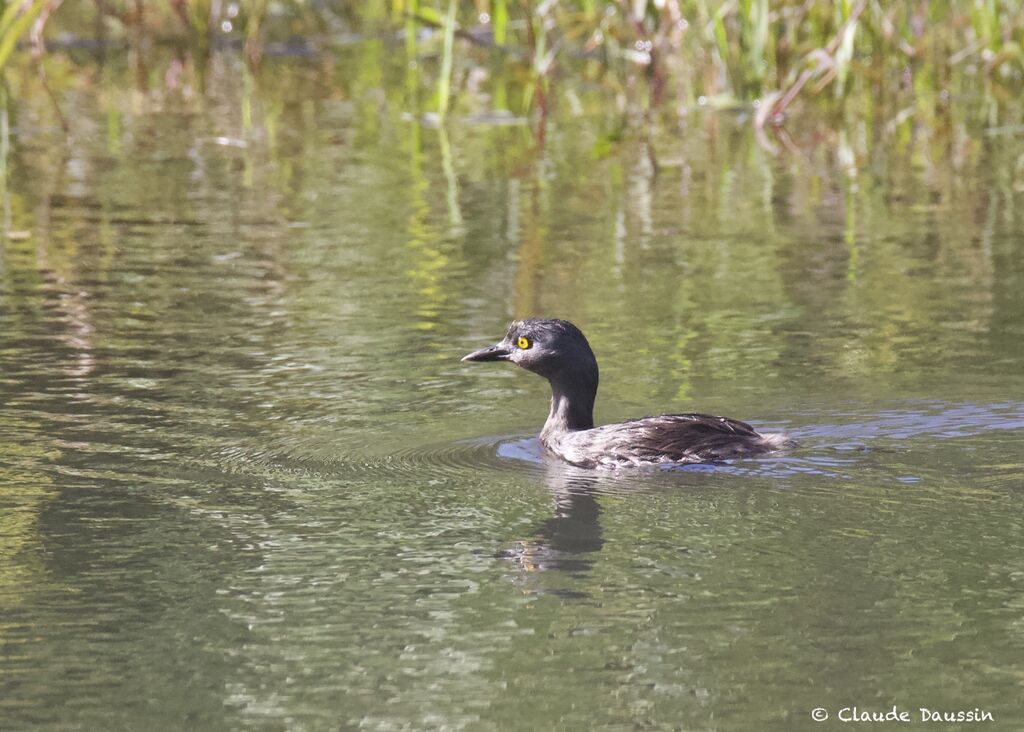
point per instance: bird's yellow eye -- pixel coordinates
(523, 342)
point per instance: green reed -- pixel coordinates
(15, 22)
(729, 52)
(445, 79)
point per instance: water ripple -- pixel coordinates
(841, 446)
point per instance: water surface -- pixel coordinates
(245, 482)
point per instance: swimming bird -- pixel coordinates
(558, 351)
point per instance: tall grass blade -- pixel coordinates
(16, 20)
(500, 21)
(844, 53)
(445, 82)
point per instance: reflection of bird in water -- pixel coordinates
(558, 351)
(566, 540)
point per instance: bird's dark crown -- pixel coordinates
(552, 348)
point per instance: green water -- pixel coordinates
(245, 482)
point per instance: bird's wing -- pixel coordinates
(678, 438)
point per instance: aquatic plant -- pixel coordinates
(761, 55)
(745, 50)
(15, 22)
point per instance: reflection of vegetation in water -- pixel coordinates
(27, 490)
(40, 293)
(750, 242)
(27, 485)
(5, 141)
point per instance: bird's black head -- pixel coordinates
(554, 349)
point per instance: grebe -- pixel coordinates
(558, 351)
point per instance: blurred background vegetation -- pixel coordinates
(841, 115)
(843, 126)
(758, 55)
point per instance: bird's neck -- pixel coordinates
(572, 406)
